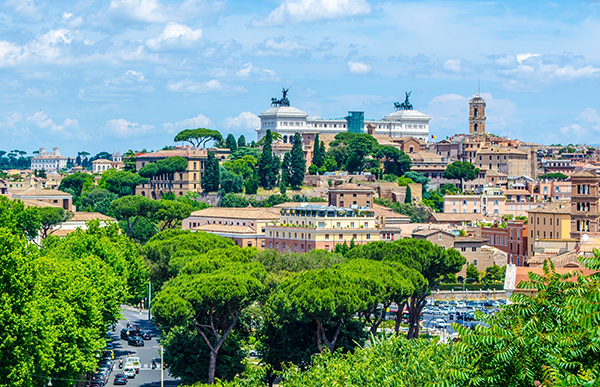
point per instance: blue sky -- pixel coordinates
(129, 74)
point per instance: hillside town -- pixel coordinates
(280, 249)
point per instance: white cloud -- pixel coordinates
(41, 120)
(149, 11)
(359, 68)
(11, 119)
(248, 70)
(587, 125)
(27, 10)
(121, 128)
(452, 65)
(190, 86)
(44, 48)
(313, 10)
(244, 120)
(175, 36)
(200, 121)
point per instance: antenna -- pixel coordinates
(478, 84)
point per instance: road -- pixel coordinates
(147, 377)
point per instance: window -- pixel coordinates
(475, 262)
(351, 224)
(250, 244)
(326, 237)
(440, 237)
(368, 236)
(338, 224)
(341, 236)
(353, 236)
(463, 248)
(283, 245)
(474, 248)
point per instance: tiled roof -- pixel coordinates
(87, 216)
(225, 228)
(428, 232)
(249, 213)
(387, 212)
(350, 187)
(32, 192)
(468, 217)
(556, 207)
(101, 161)
(39, 203)
(176, 152)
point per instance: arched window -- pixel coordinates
(475, 112)
(474, 127)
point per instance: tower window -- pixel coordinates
(475, 112)
(474, 127)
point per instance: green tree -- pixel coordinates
(552, 176)
(432, 261)
(198, 137)
(129, 161)
(76, 183)
(297, 163)
(359, 146)
(131, 209)
(408, 198)
(318, 152)
(98, 200)
(417, 177)
(244, 151)
(330, 164)
(245, 166)
(171, 165)
(462, 171)
(212, 174)
(122, 182)
(282, 187)
(223, 287)
(395, 161)
(472, 273)
(51, 217)
(150, 171)
(18, 219)
(171, 213)
(241, 142)
(231, 143)
(251, 185)
(325, 297)
(231, 182)
(285, 169)
(268, 177)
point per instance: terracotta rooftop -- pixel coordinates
(428, 232)
(32, 192)
(351, 187)
(556, 207)
(101, 161)
(39, 203)
(225, 228)
(387, 212)
(248, 213)
(468, 217)
(87, 216)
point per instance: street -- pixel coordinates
(147, 376)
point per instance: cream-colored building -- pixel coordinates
(509, 161)
(245, 226)
(490, 203)
(308, 226)
(552, 221)
(49, 161)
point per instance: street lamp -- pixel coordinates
(464, 282)
(162, 366)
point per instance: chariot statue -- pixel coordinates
(284, 101)
(406, 105)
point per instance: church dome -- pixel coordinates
(284, 111)
(407, 115)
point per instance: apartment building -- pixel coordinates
(512, 240)
(490, 203)
(245, 226)
(179, 183)
(509, 161)
(565, 167)
(50, 196)
(309, 226)
(351, 195)
(552, 221)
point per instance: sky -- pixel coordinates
(129, 74)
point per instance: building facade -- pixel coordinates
(477, 115)
(585, 203)
(178, 183)
(551, 222)
(512, 240)
(308, 227)
(48, 161)
(490, 203)
(287, 120)
(351, 195)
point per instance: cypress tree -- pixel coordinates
(211, 178)
(230, 142)
(408, 198)
(285, 169)
(297, 163)
(265, 162)
(318, 152)
(241, 141)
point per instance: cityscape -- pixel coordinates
(336, 211)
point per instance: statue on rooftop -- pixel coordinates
(406, 105)
(284, 101)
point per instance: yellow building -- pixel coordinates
(552, 221)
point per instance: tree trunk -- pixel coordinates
(399, 317)
(212, 367)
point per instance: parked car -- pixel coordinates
(120, 378)
(440, 323)
(136, 341)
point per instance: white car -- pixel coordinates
(440, 323)
(129, 371)
(461, 305)
(135, 362)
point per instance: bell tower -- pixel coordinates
(477, 115)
